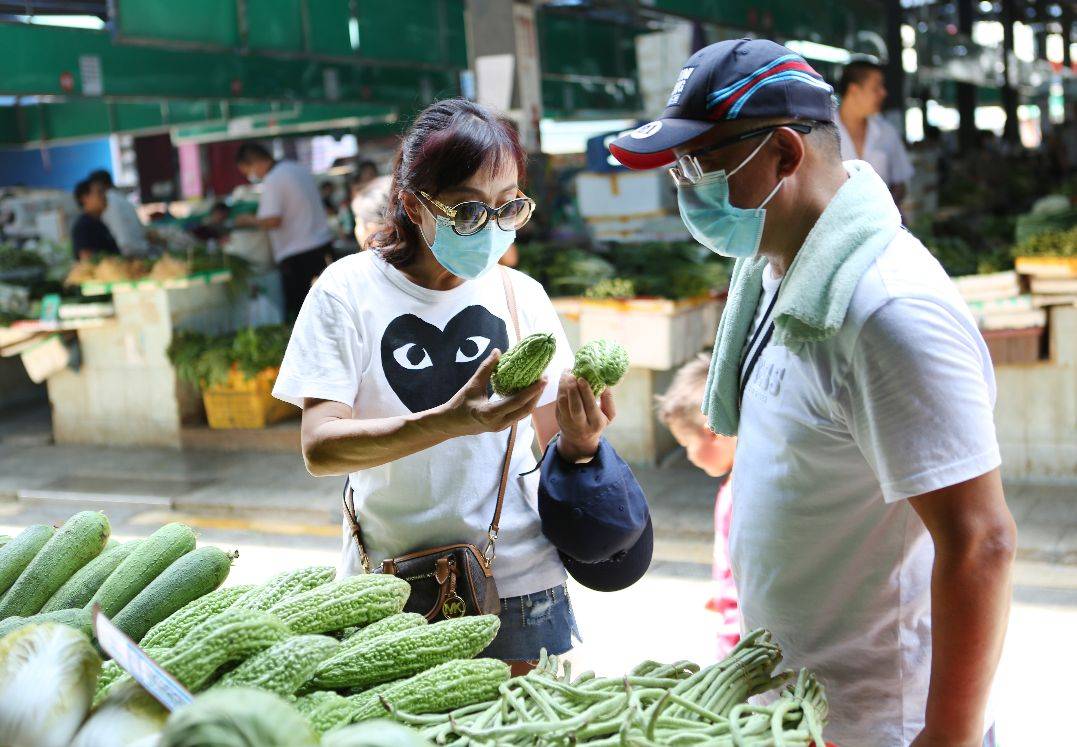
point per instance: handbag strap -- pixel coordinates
(488, 555)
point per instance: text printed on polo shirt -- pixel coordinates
(766, 381)
(682, 81)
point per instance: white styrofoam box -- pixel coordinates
(252, 246)
(637, 194)
(45, 359)
(988, 287)
(657, 334)
(568, 311)
(636, 433)
(667, 227)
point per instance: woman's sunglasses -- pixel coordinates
(470, 217)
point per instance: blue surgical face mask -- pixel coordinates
(716, 224)
(468, 256)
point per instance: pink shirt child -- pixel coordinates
(724, 601)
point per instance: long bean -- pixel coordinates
(672, 705)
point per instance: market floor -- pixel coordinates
(663, 616)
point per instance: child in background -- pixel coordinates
(679, 409)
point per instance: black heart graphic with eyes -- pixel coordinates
(426, 366)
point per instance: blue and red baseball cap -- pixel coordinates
(735, 79)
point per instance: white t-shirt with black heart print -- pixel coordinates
(371, 339)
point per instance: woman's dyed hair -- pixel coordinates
(447, 143)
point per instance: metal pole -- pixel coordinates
(1010, 132)
(895, 70)
(966, 92)
(1067, 35)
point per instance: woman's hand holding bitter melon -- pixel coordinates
(472, 411)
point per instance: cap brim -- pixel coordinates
(615, 575)
(651, 151)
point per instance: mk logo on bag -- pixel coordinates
(454, 607)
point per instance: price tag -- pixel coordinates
(133, 660)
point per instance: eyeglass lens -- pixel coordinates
(472, 217)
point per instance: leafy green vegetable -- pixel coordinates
(1049, 244)
(657, 269)
(258, 348)
(612, 288)
(204, 360)
(12, 258)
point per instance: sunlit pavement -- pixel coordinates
(663, 617)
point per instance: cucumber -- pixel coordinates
(4, 539)
(147, 562)
(194, 575)
(80, 588)
(17, 554)
(75, 544)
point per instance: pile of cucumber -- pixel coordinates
(59, 574)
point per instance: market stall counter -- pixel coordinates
(124, 390)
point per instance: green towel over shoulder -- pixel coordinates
(856, 227)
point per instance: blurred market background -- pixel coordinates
(139, 381)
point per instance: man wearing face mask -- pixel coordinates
(291, 210)
(870, 531)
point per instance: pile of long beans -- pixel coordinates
(654, 705)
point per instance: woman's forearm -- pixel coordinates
(337, 446)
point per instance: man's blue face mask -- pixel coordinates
(704, 205)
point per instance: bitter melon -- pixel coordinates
(448, 686)
(283, 667)
(523, 364)
(392, 624)
(284, 585)
(602, 362)
(325, 710)
(173, 628)
(391, 657)
(227, 637)
(356, 600)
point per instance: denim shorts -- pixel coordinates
(533, 622)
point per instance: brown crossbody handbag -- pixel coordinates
(451, 580)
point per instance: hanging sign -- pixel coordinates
(133, 660)
(90, 72)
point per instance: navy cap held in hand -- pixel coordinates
(596, 515)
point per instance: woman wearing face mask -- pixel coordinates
(391, 359)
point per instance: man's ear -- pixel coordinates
(790, 151)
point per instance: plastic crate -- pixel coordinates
(1010, 347)
(244, 403)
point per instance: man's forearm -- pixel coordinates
(970, 604)
(340, 446)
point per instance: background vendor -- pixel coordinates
(89, 234)
(291, 210)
